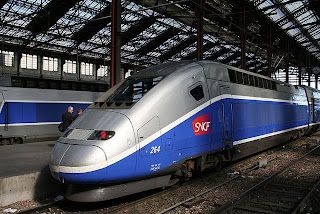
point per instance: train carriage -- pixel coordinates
(29, 114)
(173, 119)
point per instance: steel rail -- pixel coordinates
(302, 203)
(215, 187)
(230, 205)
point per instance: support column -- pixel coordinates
(270, 51)
(316, 81)
(60, 68)
(78, 69)
(308, 68)
(40, 65)
(199, 14)
(243, 36)
(300, 66)
(287, 63)
(115, 75)
(96, 71)
(18, 56)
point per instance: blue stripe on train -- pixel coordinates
(19, 112)
(250, 119)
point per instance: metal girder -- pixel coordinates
(248, 65)
(193, 54)
(47, 17)
(37, 45)
(253, 64)
(303, 31)
(231, 58)
(218, 53)
(177, 49)
(209, 27)
(276, 5)
(314, 5)
(93, 26)
(303, 25)
(156, 42)
(3, 2)
(238, 64)
(136, 29)
(50, 53)
(261, 66)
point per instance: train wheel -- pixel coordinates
(219, 163)
(20, 140)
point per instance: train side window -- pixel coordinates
(251, 80)
(239, 78)
(197, 92)
(256, 81)
(232, 76)
(260, 82)
(265, 83)
(269, 84)
(246, 79)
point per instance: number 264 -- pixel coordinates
(155, 149)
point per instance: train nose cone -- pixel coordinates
(78, 163)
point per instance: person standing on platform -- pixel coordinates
(79, 111)
(67, 118)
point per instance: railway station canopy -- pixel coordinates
(156, 31)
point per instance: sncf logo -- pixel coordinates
(202, 125)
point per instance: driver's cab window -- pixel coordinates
(197, 92)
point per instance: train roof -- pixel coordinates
(164, 69)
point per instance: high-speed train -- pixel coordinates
(30, 114)
(175, 119)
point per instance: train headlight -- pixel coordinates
(101, 135)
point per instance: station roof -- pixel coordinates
(155, 31)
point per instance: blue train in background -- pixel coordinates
(29, 114)
(174, 119)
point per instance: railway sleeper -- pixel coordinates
(255, 209)
(281, 201)
(283, 192)
(274, 204)
(290, 187)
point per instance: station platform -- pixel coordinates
(25, 174)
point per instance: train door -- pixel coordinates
(227, 114)
(150, 146)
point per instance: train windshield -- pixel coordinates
(133, 89)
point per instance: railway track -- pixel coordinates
(130, 206)
(149, 202)
(272, 195)
(269, 196)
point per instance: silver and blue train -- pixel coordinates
(29, 114)
(175, 119)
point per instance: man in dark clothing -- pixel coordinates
(67, 118)
(79, 111)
